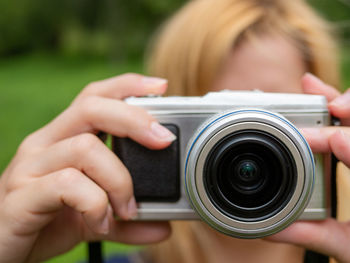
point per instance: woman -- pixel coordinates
(39, 192)
(232, 44)
(245, 45)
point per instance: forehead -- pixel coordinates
(269, 63)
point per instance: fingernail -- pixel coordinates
(162, 133)
(154, 81)
(132, 208)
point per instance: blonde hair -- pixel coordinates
(192, 45)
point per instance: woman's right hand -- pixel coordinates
(329, 237)
(64, 185)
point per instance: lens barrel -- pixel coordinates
(249, 173)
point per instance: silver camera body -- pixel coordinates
(243, 165)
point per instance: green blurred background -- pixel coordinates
(49, 50)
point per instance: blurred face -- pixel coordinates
(270, 64)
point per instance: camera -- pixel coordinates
(239, 163)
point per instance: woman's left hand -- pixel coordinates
(329, 236)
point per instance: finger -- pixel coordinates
(340, 107)
(340, 146)
(44, 196)
(86, 153)
(115, 88)
(319, 138)
(330, 139)
(328, 237)
(313, 85)
(94, 114)
(125, 85)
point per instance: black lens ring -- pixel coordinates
(271, 202)
(281, 160)
(223, 197)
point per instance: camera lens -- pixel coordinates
(246, 176)
(247, 171)
(250, 175)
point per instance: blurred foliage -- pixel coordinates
(113, 28)
(333, 10)
(117, 28)
(337, 12)
(28, 24)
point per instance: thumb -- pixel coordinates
(328, 237)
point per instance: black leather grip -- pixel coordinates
(155, 173)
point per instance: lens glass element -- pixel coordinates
(250, 175)
(247, 171)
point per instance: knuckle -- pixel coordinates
(28, 144)
(17, 175)
(25, 145)
(71, 177)
(84, 143)
(86, 105)
(68, 176)
(91, 87)
(14, 182)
